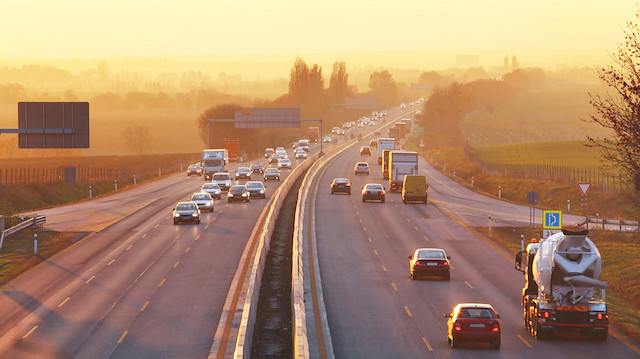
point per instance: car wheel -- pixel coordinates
(363, 200)
(331, 191)
(455, 343)
(198, 222)
(349, 193)
(447, 276)
(411, 275)
(175, 222)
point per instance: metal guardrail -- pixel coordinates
(36, 221)
(610, 224)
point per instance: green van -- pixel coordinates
(414, 188)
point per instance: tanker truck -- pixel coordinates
(562, 292)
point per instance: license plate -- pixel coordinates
(409, 192)
(432, 264)
(476, 325)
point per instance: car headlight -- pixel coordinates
(230, 195)
(244, 194)
(176, 214)
(261, 191)
(194, 214)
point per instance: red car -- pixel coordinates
(473, 322)
(429, 262)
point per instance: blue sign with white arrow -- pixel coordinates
(552, 219)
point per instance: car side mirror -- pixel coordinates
(447, 315)
(411, 257)
(497, 315)
(174, 209)
(448, 257)
(518, 261)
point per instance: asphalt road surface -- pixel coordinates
(375, 310)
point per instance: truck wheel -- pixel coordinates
(455, 343)
(538, 333)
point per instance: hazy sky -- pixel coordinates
(89, 28)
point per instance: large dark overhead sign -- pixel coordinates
(268, 118)
(53, 125)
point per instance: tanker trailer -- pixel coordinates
(562, 291)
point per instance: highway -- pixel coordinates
(375, 310)
(137, 286)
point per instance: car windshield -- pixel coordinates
(362, 165)
(211, 186)
(185, 206)
(193, 167)
(340, 180)
(374, 186)
(428, 254)
(476, 313)
(200, 196)
(238, 189)
(243, 169)
(271, 171)
(221, 177)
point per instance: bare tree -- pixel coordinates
(619, 108)
(137, 139)
(339, 82)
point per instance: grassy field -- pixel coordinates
(561, 153)
(533, 116)
(619, 269)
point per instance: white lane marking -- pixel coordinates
(64, 301)
(89, 280)
(467, 283)
(123, 336)
(408, 311)
(144, 306)
(426, 342)
(523, 340)
(110, 263)
(30, 332)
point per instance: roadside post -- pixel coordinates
(89, 192)
(35, 244)
(522, 242)
(134, 179)
(500, 192)
(568, 205)
(116, 185)
(489, 223)
(532, 199)
(472, 178)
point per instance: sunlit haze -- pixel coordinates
(88, 28)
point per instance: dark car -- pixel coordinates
(373, 191)
(186, 212)
(195, 170)
(271, 174)
(257, 168)
(365, 150)
(238, 193)
(341, 185)
(361, 168)
(256, 189)
(429, 262)
(473, 322)
(243, 173)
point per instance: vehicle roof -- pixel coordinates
(238, 186)
(362, 163)
(474, 305)
(271, 169)
(341, 179)
(243, 168)
(200, 193)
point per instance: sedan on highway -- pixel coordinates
(271, 174)
(238, 193)
(341, 185)
(274, 158)
(212, 189)
(361, 168)
(300, 155)
(284, 163)
(243, 173)
(222, 179)
(373, 191)
(186, 212)
(429, 262)
(365, 150)
(257, 168)
(203, 200)
(473, 322)
(195, 170)
(256, 189)
(327, 139)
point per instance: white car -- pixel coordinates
(300, 155)
(222, 179)
(327, 139)
(203, 200)
(281, 152)
(284, 163)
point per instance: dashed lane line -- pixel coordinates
(467, 283)
(408, 311)
(426, 342)
(395, 288)
(124, 335)
(29, 332)
(524, 341)
(144, 306)
(90, 279)
(110, 263)
(63, 302)
(162, 282)
(130, 246)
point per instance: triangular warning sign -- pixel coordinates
(584, 187)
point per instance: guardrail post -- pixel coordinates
(89, 192)
(472, 178)
(134, 179)
(159, 172)
(1, 223)
(500, 192)
(35, 244)
(568, 205)
(116, 185)
(522, 242)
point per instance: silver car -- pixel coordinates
(284, 163)
(222, 179)
(203, 200)
(256, 189)
(212, 189)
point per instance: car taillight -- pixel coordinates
(367, 192)
(457, 327)
(602, 316)
(348, 184)
(543, 314)
(445, 263)
(495, 329)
